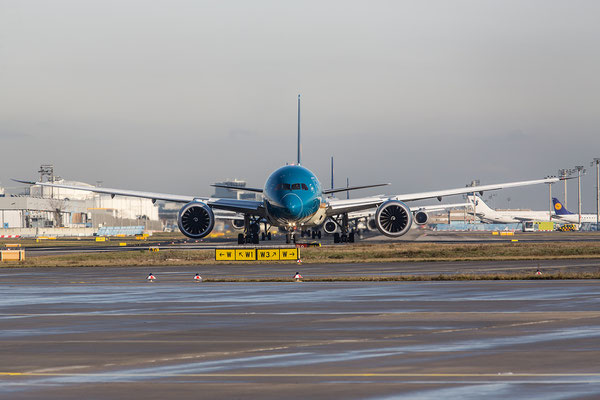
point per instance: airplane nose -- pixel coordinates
(293, 205)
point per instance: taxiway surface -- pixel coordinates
(76, 333)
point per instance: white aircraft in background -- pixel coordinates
(487, 214)
(560, 214)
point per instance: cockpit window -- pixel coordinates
(294, 186)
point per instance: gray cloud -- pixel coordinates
(8, 135)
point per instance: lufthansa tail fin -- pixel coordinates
(559, 209)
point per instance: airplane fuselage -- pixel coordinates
(509, 217)
(574, 218)
(293, 197)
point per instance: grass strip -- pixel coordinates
(358, 253)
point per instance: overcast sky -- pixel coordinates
(171, 96)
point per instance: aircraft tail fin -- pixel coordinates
(480, 205)
(299, 143)
(559, 209)
(332, 173)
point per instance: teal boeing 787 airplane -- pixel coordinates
(293, 200)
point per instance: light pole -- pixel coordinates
(597, 162)
(563, 174)
(549, 199)
(579, 169)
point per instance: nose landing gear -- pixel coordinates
(290, 237)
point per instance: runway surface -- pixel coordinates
(73, 333)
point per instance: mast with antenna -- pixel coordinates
(347, 191)
(332, 173)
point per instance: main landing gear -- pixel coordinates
(251, 231)
(316, 234)
(347, 235)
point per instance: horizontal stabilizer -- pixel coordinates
(244, 189)
(114, 192)
(336, 190)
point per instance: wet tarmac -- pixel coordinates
(241, 270)
(73, 333)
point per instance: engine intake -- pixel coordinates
(196, 220)
(421, 217)
(329, 227)
(393, 218)
(371, 224)
(237, 224)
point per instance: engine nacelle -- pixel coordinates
(421, 217)
(393, 218)
(371, 224)
(329, 226)
(237, 224)
(196, 220)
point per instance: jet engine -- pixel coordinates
(329, 226)
(196, 220)
(237, 224)
(421, 217)
(371, 224)
(393, 218)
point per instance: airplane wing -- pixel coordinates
(522, 219)
(241, 206)
(342, 206)
(228, 215)
(241, 189)
(369, 213)
(346, 189)
(438, 207)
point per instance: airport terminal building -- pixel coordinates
(74, 211)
